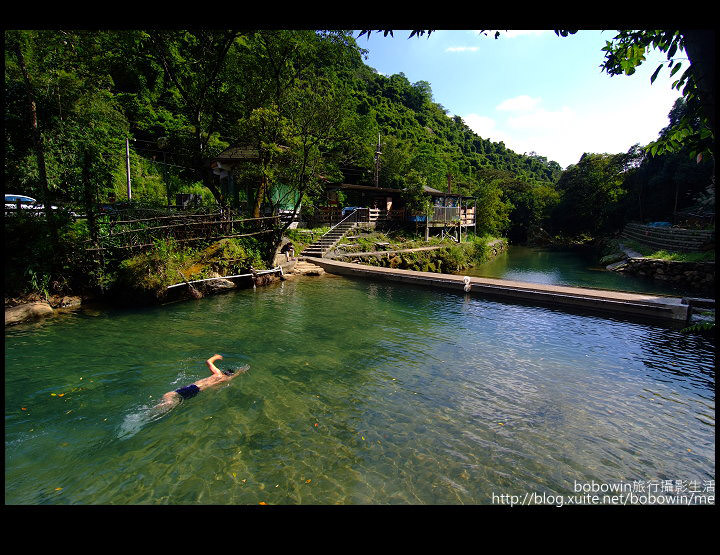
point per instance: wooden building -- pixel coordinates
(451, 212)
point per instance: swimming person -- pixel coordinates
(172, 398)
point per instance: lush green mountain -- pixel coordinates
(417, 133)
(303, 98)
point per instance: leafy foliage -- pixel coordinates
(313, 110)
(693, 130)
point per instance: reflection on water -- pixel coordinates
(570, 268)
(358, 392)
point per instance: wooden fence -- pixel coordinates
(123, 232)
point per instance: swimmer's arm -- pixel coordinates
(210, 363)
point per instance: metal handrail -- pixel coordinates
(350, 215)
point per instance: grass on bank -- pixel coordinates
(674, 256)
(150, 273)
(454, 257)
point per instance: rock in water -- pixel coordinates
(26, 312)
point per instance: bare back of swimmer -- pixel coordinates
(172, 398)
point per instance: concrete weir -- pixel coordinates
(613, 302)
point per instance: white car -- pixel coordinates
(26, 203)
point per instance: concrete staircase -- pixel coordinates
(670, 238)
(332, 237)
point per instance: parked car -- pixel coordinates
(26, 203)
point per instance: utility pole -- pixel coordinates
(127, 167)
(377, 163)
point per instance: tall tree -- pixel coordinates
(17, 41)
(193, 63)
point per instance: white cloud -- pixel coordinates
(544, 119)
(565, 134)
(519, 103)
(485, 127)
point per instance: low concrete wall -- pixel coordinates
(612, 302)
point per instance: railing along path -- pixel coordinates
(138, 233)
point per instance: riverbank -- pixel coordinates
(696, 270)
(35, 307)
(440, 256)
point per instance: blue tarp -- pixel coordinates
(659, 224)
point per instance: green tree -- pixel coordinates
(591, 191)
(695, 128)
(196, 66)
(416, 199)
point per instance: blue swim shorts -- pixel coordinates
(188, 391)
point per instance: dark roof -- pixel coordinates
(238, 153)
(367, 188)
(385, 190)
(436, 193)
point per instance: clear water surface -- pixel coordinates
(570, 268)
(359, 392)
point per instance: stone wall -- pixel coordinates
(671, 238)
(699, 275)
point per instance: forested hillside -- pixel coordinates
(182, 97)
(309, 105)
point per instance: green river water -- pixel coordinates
(571, 268)
(359, 392)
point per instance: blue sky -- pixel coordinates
(533, 90)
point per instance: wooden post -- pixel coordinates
(475, 216)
